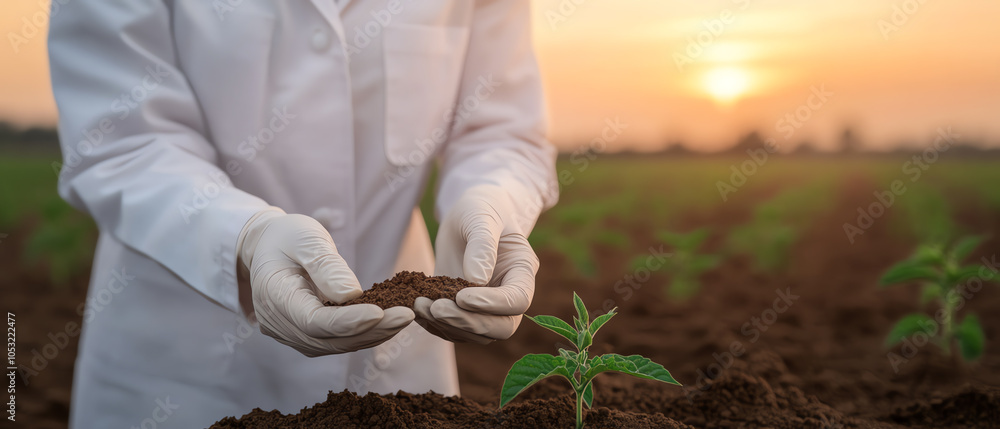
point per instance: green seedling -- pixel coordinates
(940, 272)
(927, 215)
(63, 242)
(578, 254)
(614, 238)
(767, 239)
(777, 223)
(582, 224)
(686, 264)
(576, 366)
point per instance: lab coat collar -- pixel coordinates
(330, 11)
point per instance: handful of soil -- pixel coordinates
(406, 286)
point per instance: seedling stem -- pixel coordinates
(577, 367)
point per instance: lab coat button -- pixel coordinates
(320, 40)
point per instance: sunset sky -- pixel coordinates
(929, 65)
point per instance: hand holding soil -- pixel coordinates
(406, 286)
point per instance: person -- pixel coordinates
(247, 161)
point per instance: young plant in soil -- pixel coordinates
(685, 265)
(576, 366)
(941, 274)
(777, 223)
(767, 239)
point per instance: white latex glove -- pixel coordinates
(293, 266)
(476, 242)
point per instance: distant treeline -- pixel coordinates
(47, 139)
(34, 138)
(848, 145)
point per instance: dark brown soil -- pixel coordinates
(48, 321)
(820, 364)
(430, 410)
(406, 286)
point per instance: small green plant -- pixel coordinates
(768, 238)
(926, 215)
(686, 264)
(577, 253)
(63, 242)
(777, 223)
(576, 366)
(579, 225)
(940, 272)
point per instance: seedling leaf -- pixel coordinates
(908, 271)
(965, 246)
(929, 292)
(527, 371)
(571, 367)
(581, 311)
(682, 287)
(568, 355)
(599, 321)
(588, 394)
(638, 262)
(970, 338)
(585, 339)
(928, 255)
(580, 326)
(963, 274)
(909, 325)
(608, 362)
(556, 325)
(685, 241)
(701, 263)
(614, 238)
(634, 365)
(579, 255)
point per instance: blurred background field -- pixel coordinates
(616, 202)
(784, 227)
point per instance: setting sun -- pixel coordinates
(726, 85)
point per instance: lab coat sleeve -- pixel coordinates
(498, 137)
(135, 155)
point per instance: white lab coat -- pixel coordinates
(181, 119)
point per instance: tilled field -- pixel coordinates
(809, 337)
(800, 347)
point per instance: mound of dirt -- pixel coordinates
(755, 392)
(972, 406)
(431, 410)
(758, 392)
(406, 286)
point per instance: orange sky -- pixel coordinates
(606, 59)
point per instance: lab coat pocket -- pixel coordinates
(423, 70)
